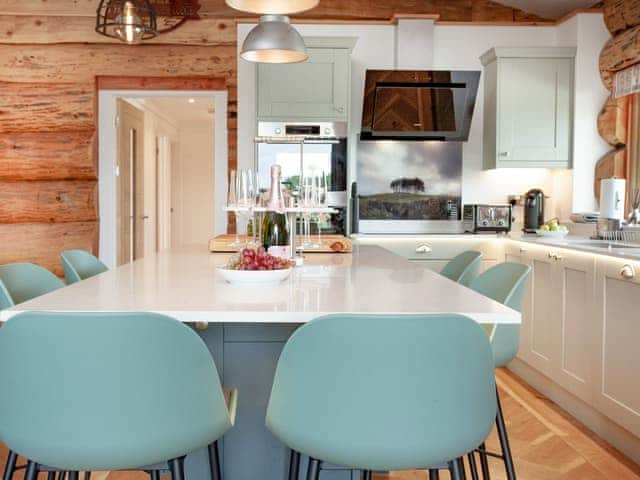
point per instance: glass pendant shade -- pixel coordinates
(130, 21)
(274, 40)
(273, 7)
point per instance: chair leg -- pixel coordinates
(154, 475)
(51, 475)
(62, 475)
(473, 467)
(176, 467)
(32, 471)
(10, 466)
(434, 474)
(484, 462)
(504, 441)
(294, 465)
(87, 475)
(313, 470)
(214, 461)
(73, 475)
(455, 471)
(366, 475)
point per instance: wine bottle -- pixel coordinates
(275, 228)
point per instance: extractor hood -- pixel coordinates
(419, 104)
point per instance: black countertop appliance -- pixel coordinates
(533, 210)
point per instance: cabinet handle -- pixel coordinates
(424, 249)
(628, 272)
(505, 154)
(552, 255)
(339, 109)
(523, 250)
(558, 257)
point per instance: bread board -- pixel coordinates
(340, 243)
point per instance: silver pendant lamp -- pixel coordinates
(274, 40)
(273, 7)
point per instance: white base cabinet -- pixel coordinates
(581, 327)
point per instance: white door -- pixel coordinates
(618, 345)
(163, 227)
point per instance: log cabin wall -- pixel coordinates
(49, 60)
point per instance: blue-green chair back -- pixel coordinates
(79, 265)
(20, 282)
(505, 283)
(106, 391)
(463, 268)
(384, 392)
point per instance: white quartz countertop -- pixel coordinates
(185, 285)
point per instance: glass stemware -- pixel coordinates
(244, 188)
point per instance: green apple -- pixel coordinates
(553, 227)
(553, 222)
(544, 227)
(562, 228)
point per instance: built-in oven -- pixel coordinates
(307, 149)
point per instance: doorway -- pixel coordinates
(162, 170)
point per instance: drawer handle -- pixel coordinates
(628, 272)
(523, 250)
(552, 255)
(557, 257)
(424, 249)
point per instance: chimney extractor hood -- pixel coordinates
(418, 104)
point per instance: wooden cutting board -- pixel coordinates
(222, 243)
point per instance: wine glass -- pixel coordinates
(319, 199)
(245, 200)
(307, 201)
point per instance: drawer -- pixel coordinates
(436, 248)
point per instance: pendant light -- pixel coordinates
(274, 40)
(273, 7)
(130, 21)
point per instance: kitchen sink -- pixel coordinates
(604, 245)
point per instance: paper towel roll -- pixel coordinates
(612, 192)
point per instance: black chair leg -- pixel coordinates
(214, 462)
(62, 475)
(87, 475)
(434, 474)
(484, 462)
(176, 467)
(366, 475)
(10, 466)
(32, 471)
(455, 471)
(51, 475)
(473, 467)
(73, 475)
(294, 465)
(154, 474)
(504, 442)
(313, 470)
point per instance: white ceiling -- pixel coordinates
(180, 111)
(552, 9)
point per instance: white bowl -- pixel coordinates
(552, 233)
(239, 277)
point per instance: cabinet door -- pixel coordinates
(315, 89)
(539, 325)
(575, 314)
(618, 304)
(534, 112)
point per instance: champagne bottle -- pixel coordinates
(275, 229)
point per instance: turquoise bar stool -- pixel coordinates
(505, 283)
(80, 265)
(373, 392)
(150, 392)
(20, 282)
(463, 268)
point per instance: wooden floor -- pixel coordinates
(547, 444)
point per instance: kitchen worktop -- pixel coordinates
(184, 284)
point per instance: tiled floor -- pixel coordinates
(547, 444)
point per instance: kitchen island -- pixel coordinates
(245, 327)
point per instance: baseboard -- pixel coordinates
(611, 432)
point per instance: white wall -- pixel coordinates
(459, 47)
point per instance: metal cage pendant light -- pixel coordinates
(130, 21)
(274, 40)
(273, 7)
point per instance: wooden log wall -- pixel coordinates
(622, 18)
(49, 60)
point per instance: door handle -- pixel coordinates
(628, 272)
(144, 217)
(424, 249)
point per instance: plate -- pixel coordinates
(552, 233)
(241, 277)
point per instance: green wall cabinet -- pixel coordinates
(528, 107)
(316, 90)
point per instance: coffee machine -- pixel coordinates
(533, 210)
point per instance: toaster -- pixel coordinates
(486, 218)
